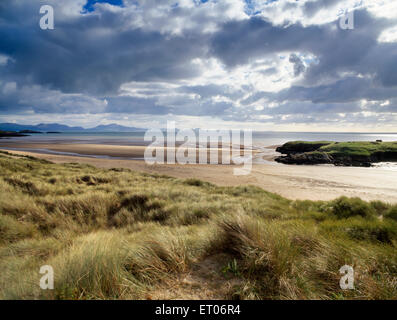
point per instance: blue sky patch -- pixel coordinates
(89, 6)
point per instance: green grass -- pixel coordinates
(355, 148)
(359, 148)
(119, 234)
(300, 142)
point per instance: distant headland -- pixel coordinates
(60, 128)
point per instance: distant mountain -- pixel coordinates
(43, 127)
(114, 128)
(56, 127)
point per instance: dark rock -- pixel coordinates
(383, 156)
(306, 158)
(352, 161)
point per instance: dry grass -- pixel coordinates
(118, 234)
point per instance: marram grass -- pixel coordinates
(119, 234)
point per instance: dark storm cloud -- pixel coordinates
(78, 62)
(14, 99)
(337, 50)
(346, 90)
(355, 51)
(240, 42)
(93, 53)
(181, 106)
(311, 108)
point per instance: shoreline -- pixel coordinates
(293, 182)
(129, 152)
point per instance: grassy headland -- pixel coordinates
(120, 234)
(356, 153)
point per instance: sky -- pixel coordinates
(281, 65)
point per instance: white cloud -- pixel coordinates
(388, 35)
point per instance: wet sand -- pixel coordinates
(290, 181)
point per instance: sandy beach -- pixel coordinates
(128, 152)
(290, 181)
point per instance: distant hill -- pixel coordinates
(114, 128)
(56, 127)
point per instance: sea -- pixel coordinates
(259, 138)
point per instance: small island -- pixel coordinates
(357, 154)
(7, 134)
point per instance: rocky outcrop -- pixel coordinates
(306, 158)
(300, 147)
(352, 161)
(384, 156)
(325, 158)
(310, 153)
